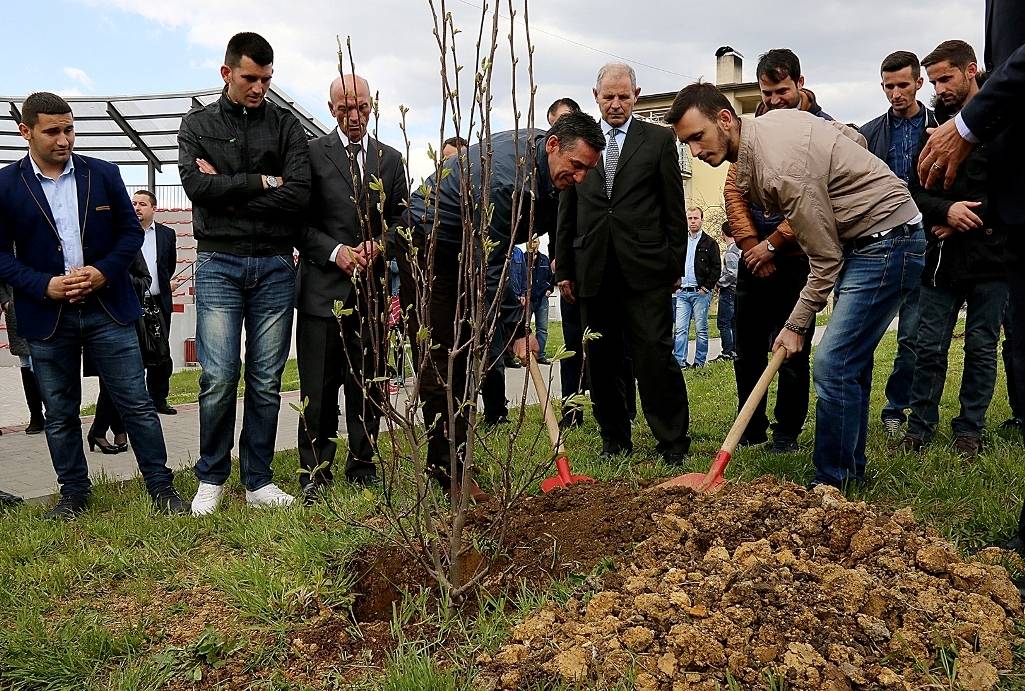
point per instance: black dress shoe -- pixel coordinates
(170, 502)
(496, 421)
(34, 427)
(1015, 544)
(67, 508)
(9, 499)
(365, 480)
(165, 409)
(610, 452)
(313, 490)
(781, 444)
(674, 458)
(753, 439)
(1014, 423)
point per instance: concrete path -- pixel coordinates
(25, 468)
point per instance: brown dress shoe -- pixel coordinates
(967, 447)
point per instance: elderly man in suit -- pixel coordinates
(158, 249)
(340, 248)
(621, 242)
(67, 236)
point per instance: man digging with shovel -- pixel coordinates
(858, 225)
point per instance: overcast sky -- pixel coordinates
(106, 47)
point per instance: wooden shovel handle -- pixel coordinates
(546, 404)
(744, 417)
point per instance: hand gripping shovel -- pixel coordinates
(712, 481)
(564, 476)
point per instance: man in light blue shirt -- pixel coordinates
(68, 234)
(700, 273)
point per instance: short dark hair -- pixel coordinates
(727, 229)
(574, 126)
(701, 95)
(957, 53)
(895, 62)
(147, 193)
(778, 64)
(42, 103)
(573, 106)
(251, 45)
(457, 142)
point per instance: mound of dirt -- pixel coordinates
(547, 536)
(767, 580)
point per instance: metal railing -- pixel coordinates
(168, 196)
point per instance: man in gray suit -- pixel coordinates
(340, 249)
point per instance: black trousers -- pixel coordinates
(107, 417)
(762, 307)
(335, 355)
(638, 324)
(158, 377)
(434, 380)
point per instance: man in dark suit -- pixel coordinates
(158, 248)
(620, 246)
(993, 117)
(340, 261)
(67, 236)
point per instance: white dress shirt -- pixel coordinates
(620, 137)
(149, 252)
(361, 164)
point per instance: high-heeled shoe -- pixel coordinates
(121, 442)
(104, 445)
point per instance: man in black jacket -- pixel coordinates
(621, 243)
(701, 271)
(245, 165)
(895, 137)
(994, 117)
(340, 260)
(522, 164)
(160, 253)
(964, 263)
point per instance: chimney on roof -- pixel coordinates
(728, 66)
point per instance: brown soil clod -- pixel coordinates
(764, 578)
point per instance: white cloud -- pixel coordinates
(78, 75)
(840, 44)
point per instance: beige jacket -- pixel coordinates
(828, 185)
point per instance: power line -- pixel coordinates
(622, 58)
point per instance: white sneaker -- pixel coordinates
(269, 495)
(207, 499)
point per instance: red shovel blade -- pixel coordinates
(564, 478)
(702, 483)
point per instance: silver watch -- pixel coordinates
(272, 182)
(769, 245)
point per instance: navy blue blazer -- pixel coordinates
(31, 252)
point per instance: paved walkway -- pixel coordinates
(25, 468)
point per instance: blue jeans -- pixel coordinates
(691, 303)
(724, 318)
(232, 291)
(870, 288)
(114, 351)
(939, 310)
(540, 309)
(898, 386)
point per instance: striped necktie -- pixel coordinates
(611, 161)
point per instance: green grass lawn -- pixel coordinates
(122, 599)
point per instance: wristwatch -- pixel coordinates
(272, 182)
(769, 245)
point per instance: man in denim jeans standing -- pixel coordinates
(245, 165)
(859, 227)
